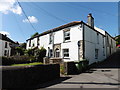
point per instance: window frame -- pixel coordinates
(51, 38)
(6, 45)
(67, 30)
(29, 43)
(66, 54)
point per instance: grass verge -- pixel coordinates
(35, 63)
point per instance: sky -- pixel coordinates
(47, 15)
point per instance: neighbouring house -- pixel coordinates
(75, 41)
(7, 46)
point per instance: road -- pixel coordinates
(102, 75)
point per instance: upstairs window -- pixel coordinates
(38, 41)
(5, 44)
(107, 41)
(29, 43)
(51, 38)
(97, 38)
(111, 44)
(65, 52)
(103, 41)
(66, 34)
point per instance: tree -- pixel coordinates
(35, 34)
(40, 54)
(30, 52)
(19, 51)
(117, 38)
(23, 45)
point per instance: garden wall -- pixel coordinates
(28, 76)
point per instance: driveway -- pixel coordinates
(101, 75)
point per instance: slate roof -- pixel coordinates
(5, 38)
(66, 26)
(58, 28)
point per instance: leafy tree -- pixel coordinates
(35, 34)
(23, 45)
(19, 51)
(117, 38)
(40, 53)
(30, 52)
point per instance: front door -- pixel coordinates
(57, 50)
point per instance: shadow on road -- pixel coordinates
(112, 61)
(91, 83)
(53, 82)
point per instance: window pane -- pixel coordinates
(66, 35)
(65, 52)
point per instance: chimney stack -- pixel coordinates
(90, 20)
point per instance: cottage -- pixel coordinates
(75, 41)
(6, 45)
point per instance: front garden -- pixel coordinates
(25, 57)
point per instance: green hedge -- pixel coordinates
(17, 60)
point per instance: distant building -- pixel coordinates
(6, 45)
(75, 41)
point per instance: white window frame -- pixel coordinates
(67, 53)
(66, 35)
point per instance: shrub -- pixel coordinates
(30, 52)
(19, 51)
(17, 60)
(39, 54)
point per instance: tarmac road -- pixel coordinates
(102, 75)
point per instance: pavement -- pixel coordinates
(101, 75)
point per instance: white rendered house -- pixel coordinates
(75, 41)
(6, 45)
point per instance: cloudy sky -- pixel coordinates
(48, 15)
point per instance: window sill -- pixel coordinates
(66, 41)
(66, 58)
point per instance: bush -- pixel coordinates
(19, 51)
(17, 60)
(39, 54)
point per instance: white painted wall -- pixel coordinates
(76, 34)
(111, 46)
(2, 48)
(91, 43)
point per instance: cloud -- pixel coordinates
(32, 19)
(5, 33)
(7, 6)
(17, 10)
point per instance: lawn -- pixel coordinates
(35, 63)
